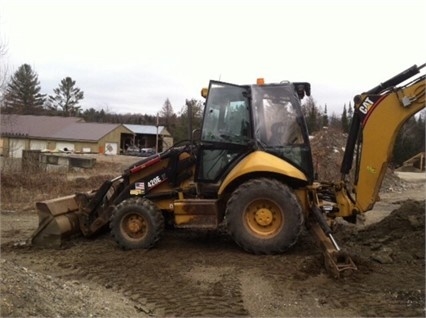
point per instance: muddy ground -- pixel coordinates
(205, 273)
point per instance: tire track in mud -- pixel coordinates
(159, 279)
(193, 274)
(188, 274)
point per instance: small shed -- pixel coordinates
(149, 136)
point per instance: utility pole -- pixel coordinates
(156, 137)
(189, 105)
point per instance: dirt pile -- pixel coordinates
(397, 239)
(328, 147)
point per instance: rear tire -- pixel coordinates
(264, 217)
(136, 223)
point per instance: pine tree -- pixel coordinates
(312, 115)
(66, 98)
(345, 122)
(168, 115)
(325, 117)
(410, 140)
(350, 112)
(182, 128)
(334, 121)
(23, 92)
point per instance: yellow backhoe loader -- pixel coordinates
(249, 167)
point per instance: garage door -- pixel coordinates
(65, 146)
(15, 147)
(38, 145)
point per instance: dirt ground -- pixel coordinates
(205, 273)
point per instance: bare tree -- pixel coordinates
(4, 70)
(167, 114)
(312, 114)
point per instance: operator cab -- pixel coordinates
(242, 119)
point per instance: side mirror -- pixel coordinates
(302, 88)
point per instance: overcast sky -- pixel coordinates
(129, 56)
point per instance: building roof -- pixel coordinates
(34, 126)
(85, 131)
(147, 129)
(53, 127)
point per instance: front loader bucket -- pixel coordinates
(58, 218)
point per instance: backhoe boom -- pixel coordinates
(378, 116)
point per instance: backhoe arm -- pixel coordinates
(378, 116)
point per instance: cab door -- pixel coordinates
(226, 132)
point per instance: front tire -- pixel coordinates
(136, 223)
(264, 217)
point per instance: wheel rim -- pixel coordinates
(264, 217)
(134, 226)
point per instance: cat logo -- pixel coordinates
(366, 105)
